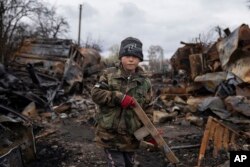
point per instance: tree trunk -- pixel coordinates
(1, 32)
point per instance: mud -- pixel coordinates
(72, 146)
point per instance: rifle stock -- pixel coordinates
(148, 125)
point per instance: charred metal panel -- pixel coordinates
(180, 59)
(227, 46)
(241, 67)
(211, 81)
(73, 76)
(12, 158)
(212, 53)
(211, 59)
(196, 64)
(90, 56)
(234, 52)
(14, 135)
(47, 55)
(46, 47)
(238, 104)
(243, 89)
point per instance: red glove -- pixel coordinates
(127, 101)
(152, 140)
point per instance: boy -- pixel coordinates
(114, 94)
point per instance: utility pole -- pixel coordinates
(80, 19)
(161, 59)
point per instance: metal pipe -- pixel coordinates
(79, 31)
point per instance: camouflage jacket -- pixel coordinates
(116, 125)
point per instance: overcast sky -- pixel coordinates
(154, 22)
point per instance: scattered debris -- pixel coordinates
(221, 136)
(17, 146)
(45, 90)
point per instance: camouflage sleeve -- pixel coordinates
(102, 95)
(148, 106)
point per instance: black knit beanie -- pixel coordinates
(131, 47)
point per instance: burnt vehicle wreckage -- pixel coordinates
(42, 72)
(47, 115)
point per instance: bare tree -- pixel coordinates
(113, 57)
(11, 14)
(208, 38)
(16, 17)
(114, 50)
(91, 43)
(155, 55)
(48, 24)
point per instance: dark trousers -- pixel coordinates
(120, 159)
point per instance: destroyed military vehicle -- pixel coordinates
(57, 60)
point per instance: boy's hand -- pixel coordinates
(152, 140)
(127, 101)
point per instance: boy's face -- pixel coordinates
(130, 63)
